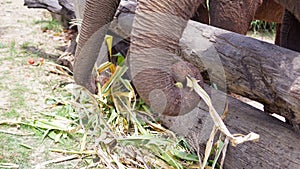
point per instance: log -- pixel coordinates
(52, 6)
(62, 10)
(238, 64)
(255, 69)
(277, 148)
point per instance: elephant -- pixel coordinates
(98, 14)
(236, 17)
(154, 65)
(267, 10)
(290, 32)
(271, 11)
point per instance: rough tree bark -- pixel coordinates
(254, 69)
(277, 148)
(258, 70)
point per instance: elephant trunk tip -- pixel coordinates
(159, 89)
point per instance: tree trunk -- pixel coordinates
(278, 146)
(258, 70)
(62, 10)
(52, 6)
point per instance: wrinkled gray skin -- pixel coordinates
(98, 13)
(153, 60)
(290, 32)
(291, 5)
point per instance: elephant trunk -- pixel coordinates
(158, 74)
(96, 17)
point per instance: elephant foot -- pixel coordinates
(67, 60)
(166, 91)
(182, 69)
(277, 37)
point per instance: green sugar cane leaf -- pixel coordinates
(184, 156)
(54, 124)
(118, 73)
(54, 136)
(104, 66)
(46, 133)
(57, 137)
(219, 150)
(113, 116)
(135, 140)
(171, 161)
(144, 140)
(109, 42)
(120, 59)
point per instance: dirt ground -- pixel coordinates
(22, 39)
(24, 87)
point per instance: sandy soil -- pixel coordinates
(17, 29)
(24, 87)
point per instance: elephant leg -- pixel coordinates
(98, 14)
(271, 11)
(277, 36)
(202, 14)
(234, 16)
(291, 5)
(154, 66)
(290, 32)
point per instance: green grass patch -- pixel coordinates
(12, 48)
(52, 24)
(2, 45)
(18, 101)
(12, 151)
(17, 94)
(12, 114)
(263, 26)
(25, 45)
